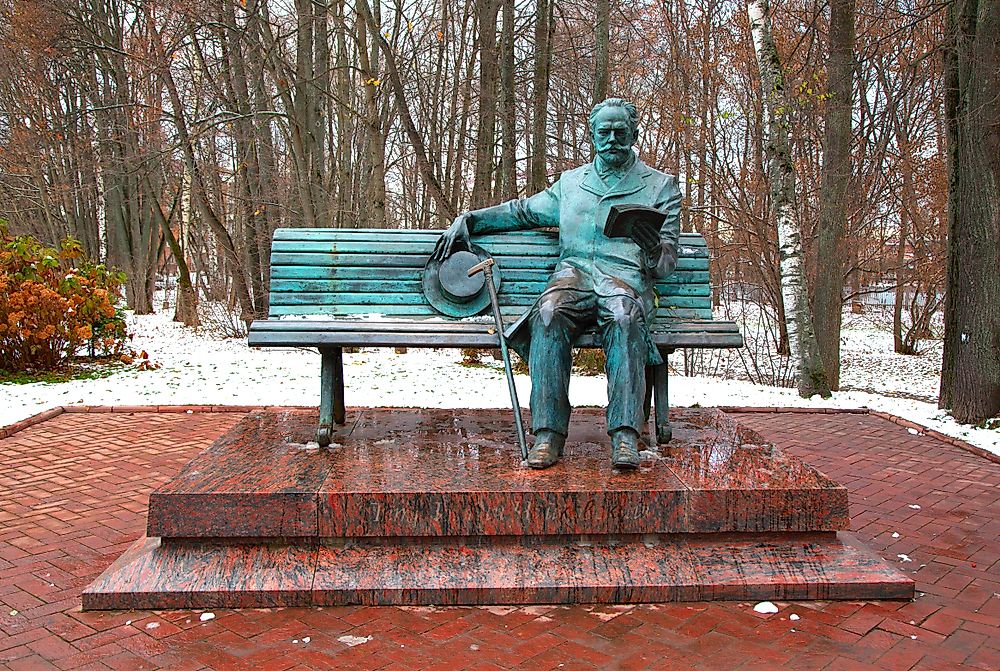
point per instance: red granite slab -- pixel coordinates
(258, 480)
(447, 472)
(155, 574)
(440, 474)
(737, 481)
(497, 570)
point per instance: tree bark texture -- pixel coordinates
(538, 178)
(488, 84)
(834, 188)
(602, 30)
(445, 209)
(970, 371)
(508, 106)
(811, 378)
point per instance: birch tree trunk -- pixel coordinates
(811, 377)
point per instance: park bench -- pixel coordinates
(337, 288)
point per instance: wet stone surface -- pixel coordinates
(392, 472)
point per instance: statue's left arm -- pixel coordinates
(661, 258)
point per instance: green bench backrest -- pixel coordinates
(346, 273)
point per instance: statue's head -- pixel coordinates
(614, 127)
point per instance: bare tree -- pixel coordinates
(970, 374)
(836, 182)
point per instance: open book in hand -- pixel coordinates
(641, 223)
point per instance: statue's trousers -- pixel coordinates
(556, 319)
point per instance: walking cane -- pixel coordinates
(486, 267)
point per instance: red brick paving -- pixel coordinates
(73, 492)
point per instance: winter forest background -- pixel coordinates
(172, 138)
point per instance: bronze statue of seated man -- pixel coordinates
(598, 280)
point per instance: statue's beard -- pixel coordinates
(615, 156)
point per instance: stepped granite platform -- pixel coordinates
(431, 507)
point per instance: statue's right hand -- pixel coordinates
(455, 238)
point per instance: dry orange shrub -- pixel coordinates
(53, 302)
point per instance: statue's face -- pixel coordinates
(613, 136)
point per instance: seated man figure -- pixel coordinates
(598, 280)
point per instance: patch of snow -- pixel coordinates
(199, 368)
(500, 610)
(903, 557)
(914, 506)
(895, 534)
(793, 617)
(765, 608)
(351, 641)
(205, 617)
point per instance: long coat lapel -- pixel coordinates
(592, 182)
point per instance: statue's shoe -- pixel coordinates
(547, 449)
(625, 449)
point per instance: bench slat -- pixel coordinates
(539, 237)
(418, 261)
(322, 299)
(507, 311)
(309, 287)
(375, 248)
(438, 325)
(681, 276)
(481, 339)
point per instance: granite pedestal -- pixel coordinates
(431, 507)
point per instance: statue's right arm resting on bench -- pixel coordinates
(537, 211)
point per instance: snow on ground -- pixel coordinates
(197, 368)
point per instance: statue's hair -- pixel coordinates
(633, 114)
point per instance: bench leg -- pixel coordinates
(647, 402)
(662, 403)
(331, 393)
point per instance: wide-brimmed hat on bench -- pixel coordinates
(450, 290)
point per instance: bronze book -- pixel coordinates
(623, 220)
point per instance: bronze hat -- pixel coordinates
(450, 290)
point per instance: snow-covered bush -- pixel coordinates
(53, 302)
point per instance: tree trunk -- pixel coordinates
(835, 183)
(781, 179)
(508, 107)
(488, 79)
(970, 371)
(208, 213)
(907, 203)
(445, 209)
(602, 30)
(374, 136)
(538, 178)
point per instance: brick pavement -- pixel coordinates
(73, 493)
